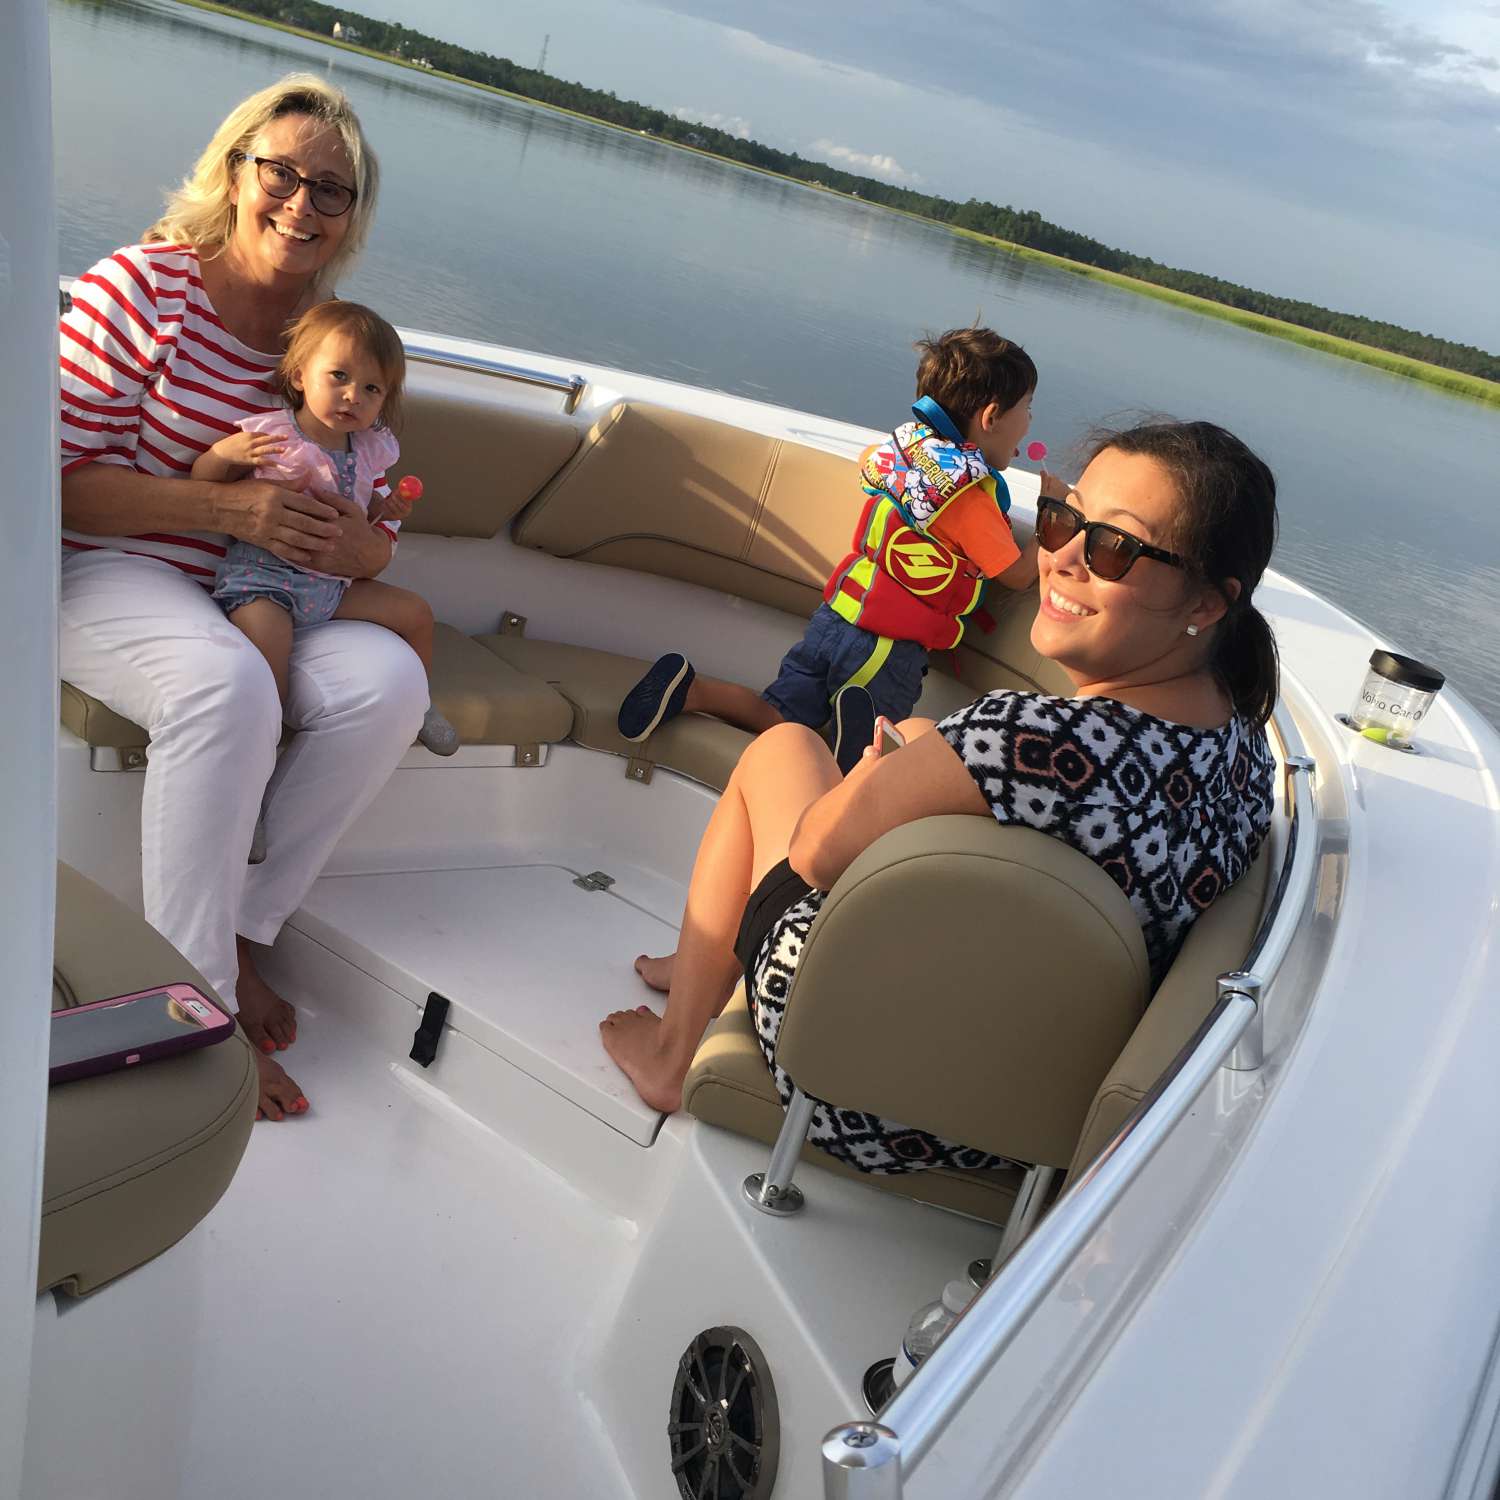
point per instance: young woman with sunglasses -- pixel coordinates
(168, 344)
(1157, 767)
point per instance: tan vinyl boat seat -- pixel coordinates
(134, 1159)
(892, 1010)
(485, 698)
(594, 682)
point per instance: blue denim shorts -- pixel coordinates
(250, 572)
(828, 655)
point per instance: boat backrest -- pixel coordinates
(685, 496)
(480, 461)
(973, 980)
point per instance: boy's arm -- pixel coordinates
(1022, 573)
(237, 455)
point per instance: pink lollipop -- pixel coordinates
(1036, 452)
(410, 488)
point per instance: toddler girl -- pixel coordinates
(341, 376)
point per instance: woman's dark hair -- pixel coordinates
(1225, 529)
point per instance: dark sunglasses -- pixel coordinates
(277, 180)
(1108, 552)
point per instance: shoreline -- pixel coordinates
(1451, 382)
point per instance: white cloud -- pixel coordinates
(876, 164)
(734, 124)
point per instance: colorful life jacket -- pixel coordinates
(932, 530)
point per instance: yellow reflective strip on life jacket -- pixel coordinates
(862, 572)
(845, 607)
(873, 663)
(881, 516)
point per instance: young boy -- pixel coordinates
(932, 530)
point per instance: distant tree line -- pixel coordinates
(1020, 228)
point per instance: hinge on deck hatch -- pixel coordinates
(595, 880)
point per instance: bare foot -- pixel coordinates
(657, 972)
(279, 1096)
(269, 1022)
(635, 1042)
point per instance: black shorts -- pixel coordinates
(780, 890)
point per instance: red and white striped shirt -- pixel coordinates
(150, 378)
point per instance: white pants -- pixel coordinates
(145, 639)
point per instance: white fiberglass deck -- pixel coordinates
(529, 960)
(461, 1281)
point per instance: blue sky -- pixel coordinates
(1345, 151)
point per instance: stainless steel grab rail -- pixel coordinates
(572, 386)
(870, 1460)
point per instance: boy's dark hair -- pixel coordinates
(1225, 528)
(966, 369)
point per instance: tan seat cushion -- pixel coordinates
(729, 1085)
(487, 700)
(134, 1159)
(594, 682)
(97, 725)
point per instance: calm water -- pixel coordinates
(504, 222)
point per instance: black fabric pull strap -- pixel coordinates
(424, 1044)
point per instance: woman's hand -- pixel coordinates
(1054, 487)
(302, 529)
(358, 549)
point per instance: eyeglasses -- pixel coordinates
(277, 180)
(1108, 552)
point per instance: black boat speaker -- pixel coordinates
(724, 1427)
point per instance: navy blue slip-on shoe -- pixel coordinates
(853, 726)
(657, 697)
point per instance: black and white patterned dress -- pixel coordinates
(1174, 814)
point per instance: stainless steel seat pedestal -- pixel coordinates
(772, 1191)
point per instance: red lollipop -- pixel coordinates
(1036, 452)
(410, 488)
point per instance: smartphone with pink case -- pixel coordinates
(128, 1029)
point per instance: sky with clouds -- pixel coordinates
(1344, 151)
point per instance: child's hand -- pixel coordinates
(250, 448)
(1054, 488)
(389, 508)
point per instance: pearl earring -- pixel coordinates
(1192, 630)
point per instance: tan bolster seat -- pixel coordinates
(488, 700)
(964, 978)
(134, 1159)
(594, 682)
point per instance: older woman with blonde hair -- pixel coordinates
(169, 342)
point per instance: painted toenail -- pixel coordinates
(268, 1045)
